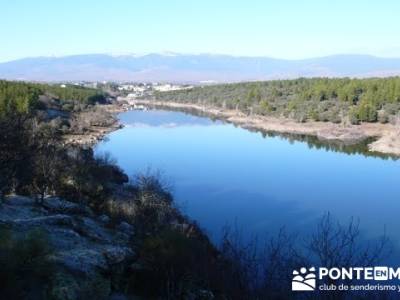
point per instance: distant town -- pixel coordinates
(130, 90)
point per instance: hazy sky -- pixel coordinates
(283, 29)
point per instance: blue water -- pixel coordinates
(222, 174)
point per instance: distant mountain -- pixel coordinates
(193, 68)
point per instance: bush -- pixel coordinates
(89, 180)
(383, 117)
(367, 112)
(314, 115)
(154, 208)
(25, 268)
(63, 287)
(175, 265)
(334, 116)
(353, 116)
(96, 287)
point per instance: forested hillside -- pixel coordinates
(319, 99)
(23, 97)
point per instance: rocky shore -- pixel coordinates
(386, 136)
(84, 246)
(96, 131)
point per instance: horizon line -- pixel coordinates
(172, 53)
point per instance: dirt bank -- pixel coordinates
(387, 135)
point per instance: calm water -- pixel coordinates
(222, 174)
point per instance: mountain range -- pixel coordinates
(192, 68)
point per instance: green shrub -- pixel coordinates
(353, 116)
(314, 115)
(63, 287)
(25, 267)
(96, 287)
(174, 265)
(367, 112)
(265, 108)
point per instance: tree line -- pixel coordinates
(318, 99)
(24, 97)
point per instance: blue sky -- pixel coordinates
(285, 29)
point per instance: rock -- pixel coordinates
(83, 247)
(125, 227)
(116, 255)
(90, 260)
(17, 207)
(104, 219)
(55, 204)
(19, 201)
(64, 238)
(91, 229)
(55, 220)
(82, 261)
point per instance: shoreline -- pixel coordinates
(96, 133)
(387, 136)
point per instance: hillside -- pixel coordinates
(193, 68)
(318, 99)
(344, 110)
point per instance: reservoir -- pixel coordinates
(225, 175)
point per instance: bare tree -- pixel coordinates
(337, 245)
(46, 161)
(264, 271)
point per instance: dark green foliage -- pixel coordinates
(96, 98)
(24, 97)
(176, 265)
(15, 151)
(20, 97)
(97, 288)
(367, 111)
(25, 268)
(72, 97)
(46, 160)
(153, 211)
(319, 99)
(31, 156)
(88, 179)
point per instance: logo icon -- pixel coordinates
(305, 280)
(381, 273)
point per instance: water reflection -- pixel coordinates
(312, 141)
(224, 174)
(162, 118)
